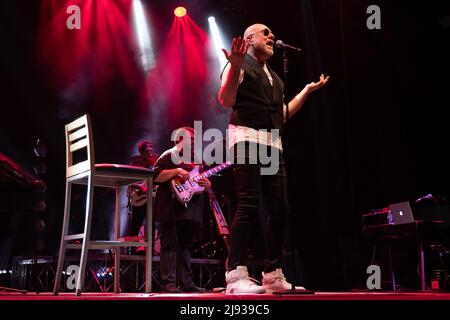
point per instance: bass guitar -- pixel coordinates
(185, 190)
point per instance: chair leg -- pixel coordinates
(116, 237)
(62, 245)
(149, 238)
(87, 235)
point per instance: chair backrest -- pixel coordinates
(79, 136)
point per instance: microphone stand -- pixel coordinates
(291, 291)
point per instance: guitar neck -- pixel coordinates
(184, 190)
(212, 171)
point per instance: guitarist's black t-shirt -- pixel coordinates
(167, 206)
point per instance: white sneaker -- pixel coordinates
(275, 281)
(238, 282)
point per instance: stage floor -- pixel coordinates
(317, 296)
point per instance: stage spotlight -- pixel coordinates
(40, 225)
(40, 206)
(217, 40)
(179, 12)
(41, 149)
(40, 168)
(142, 34)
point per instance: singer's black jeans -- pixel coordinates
(250, 185)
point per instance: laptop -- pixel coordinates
(401, 213)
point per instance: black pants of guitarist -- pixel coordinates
(138, 218)
(177, 240)
(250, 185)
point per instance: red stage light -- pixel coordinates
(180, 12)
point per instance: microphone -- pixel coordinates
(281, 44)
(428, 196)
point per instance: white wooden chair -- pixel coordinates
(78, 136)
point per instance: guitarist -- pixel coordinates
(178, 222)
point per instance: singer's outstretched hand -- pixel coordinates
(313, 86)
(239, 49)
(300, 98)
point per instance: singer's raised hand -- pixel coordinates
(238, 51)
(313, 86)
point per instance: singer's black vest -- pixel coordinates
(258, 104)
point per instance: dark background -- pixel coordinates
(377, 134)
